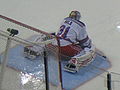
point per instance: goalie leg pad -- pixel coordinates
(78, 61)
(32, 52)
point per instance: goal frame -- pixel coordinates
(45, 57)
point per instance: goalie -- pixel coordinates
(74, 42)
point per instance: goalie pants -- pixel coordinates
(69, 50)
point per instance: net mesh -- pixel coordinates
(25, 74)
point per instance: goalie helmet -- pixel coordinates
(75, 15)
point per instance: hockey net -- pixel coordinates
(20, 73)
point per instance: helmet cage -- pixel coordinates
(75, 15)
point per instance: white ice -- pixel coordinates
(101, 16)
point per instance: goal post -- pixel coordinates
(30, 70)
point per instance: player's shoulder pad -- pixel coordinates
(80, 23)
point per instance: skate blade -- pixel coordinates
(70, 70)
